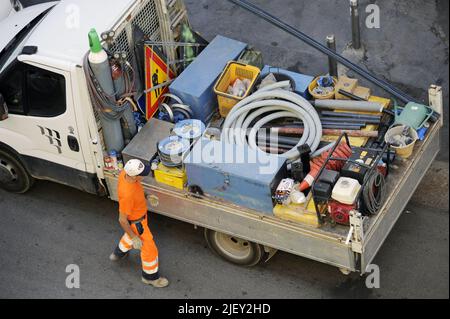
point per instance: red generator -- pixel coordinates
(340, 213)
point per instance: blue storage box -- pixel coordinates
(237, 174)
(301, 81)
(195, 85)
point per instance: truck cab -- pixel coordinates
(49, 129)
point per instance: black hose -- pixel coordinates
(310, 41)
(374, 192)
(106, 104)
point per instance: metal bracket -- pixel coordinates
(436, 101)
(271, 252)
(356, 234)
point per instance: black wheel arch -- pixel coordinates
(16, 155)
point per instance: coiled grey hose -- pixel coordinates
(280, 104)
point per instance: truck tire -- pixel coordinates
(14, 177)
(235, 250)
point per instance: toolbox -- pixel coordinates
(195, 86)
(172, 176)
(220, 174)
(144, 146)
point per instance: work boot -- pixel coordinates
(115, 257)
(161, 282)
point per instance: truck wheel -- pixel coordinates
(14, 177)
(235, 250)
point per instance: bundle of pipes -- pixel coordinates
(282, 135)
(335, 120)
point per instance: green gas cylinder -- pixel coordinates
(99, 63)
(414, 115)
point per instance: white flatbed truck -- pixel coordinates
(60, 139)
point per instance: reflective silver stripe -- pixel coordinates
(151, 272)
(123, 248)
(127, 239)
(154, 263)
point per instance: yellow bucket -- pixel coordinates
(329, 96)
(406, 151)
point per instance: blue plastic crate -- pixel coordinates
(302, 81)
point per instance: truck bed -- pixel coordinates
(328, 244)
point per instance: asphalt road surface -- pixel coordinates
(53, 226)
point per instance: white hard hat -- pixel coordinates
(135, 167)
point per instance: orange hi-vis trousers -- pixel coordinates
(149, 251)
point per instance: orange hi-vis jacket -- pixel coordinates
(132, 202)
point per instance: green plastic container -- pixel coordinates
(413, 115)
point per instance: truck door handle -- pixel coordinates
(73, 143)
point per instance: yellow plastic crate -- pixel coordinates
(175, 177)
(233, 71)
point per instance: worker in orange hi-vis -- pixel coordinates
(133, 219)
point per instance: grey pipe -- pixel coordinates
(349, 105)
(356, 28)
(350, 115)
(349, 120)
(332, 64)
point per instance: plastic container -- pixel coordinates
(413, 114)
(233, 71)
(329, 96)
(114, 160)
(346, 190)
(406, 151)
(297, 213)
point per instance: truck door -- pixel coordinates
(42, 125)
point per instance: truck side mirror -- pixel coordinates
(3, 109)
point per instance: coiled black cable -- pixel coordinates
(374, 192)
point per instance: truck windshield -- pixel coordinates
(12, 46)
